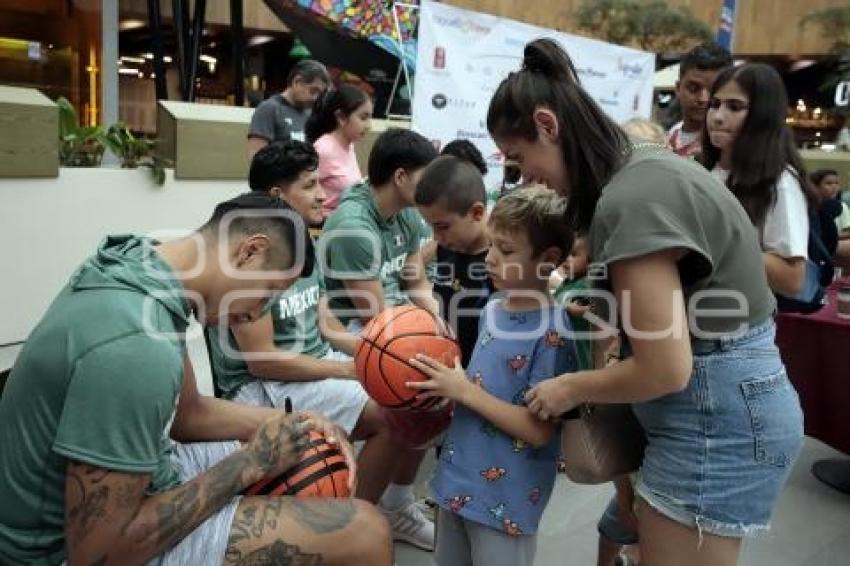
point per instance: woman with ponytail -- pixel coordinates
(340, 117)
(686, 284)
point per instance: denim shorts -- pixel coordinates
(720, 451)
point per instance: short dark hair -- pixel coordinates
(258, 213)
(395, 149)
(705, 57)
(279, 164)
(345, 99)
(466, 150)
(818, 176)
(309, 70)
(451, 181)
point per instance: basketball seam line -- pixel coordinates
(328, 470)
(314, 459)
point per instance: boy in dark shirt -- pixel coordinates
(451, 197)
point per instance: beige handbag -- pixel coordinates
(602, 443)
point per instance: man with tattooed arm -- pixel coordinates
(108, 453)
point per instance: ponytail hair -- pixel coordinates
(323, 119)
(593, 146)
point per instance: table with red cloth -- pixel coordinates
(816, 352)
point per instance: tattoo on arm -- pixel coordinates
(109, 510)
(176, 513)
(181, 513)
(91, 499)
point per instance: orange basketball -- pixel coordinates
(322, 472)
(418, 429)
(392, 338)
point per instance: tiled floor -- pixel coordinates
(811, 526)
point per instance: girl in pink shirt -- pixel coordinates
(340, 117)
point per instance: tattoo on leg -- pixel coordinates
(100, 561)
(323, 515)
(252, 519)
(278, 553)
(257, 517)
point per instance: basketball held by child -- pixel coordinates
(418, 430)
(386, 345)
(321, 472)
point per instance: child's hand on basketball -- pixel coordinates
(448, 382)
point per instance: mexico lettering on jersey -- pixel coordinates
(297, 303)
(393, 266)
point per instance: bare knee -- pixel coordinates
(373, 543)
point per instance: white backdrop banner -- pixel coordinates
(462, 57)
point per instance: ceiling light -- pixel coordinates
(127, 25)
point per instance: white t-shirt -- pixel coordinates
(684, 143)
(843, 220)
(786, 225)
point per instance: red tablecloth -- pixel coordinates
(816, 351)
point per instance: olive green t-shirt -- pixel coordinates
(358, 244)
(660, 201)
(295, 317)
(97, 382)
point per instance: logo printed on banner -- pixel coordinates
(484, 49)
(469, 135)
(590, 72)
(440, 101)
(630, 71)
(464, 25)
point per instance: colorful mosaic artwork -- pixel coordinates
(372, 19)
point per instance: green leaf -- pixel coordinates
(67, 117)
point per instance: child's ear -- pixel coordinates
(478, 210)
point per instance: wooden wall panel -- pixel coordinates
(763, 27)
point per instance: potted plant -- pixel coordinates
(134, 151)
(79, 146)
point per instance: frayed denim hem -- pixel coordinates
(674, 511)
